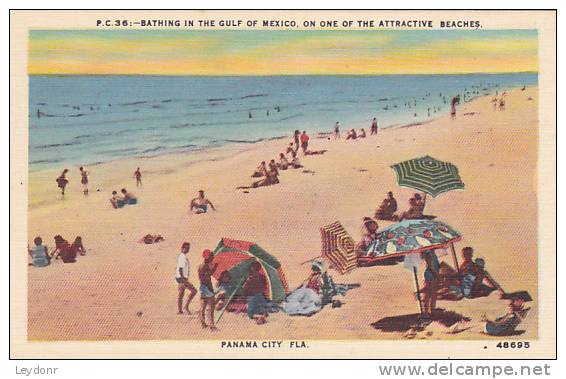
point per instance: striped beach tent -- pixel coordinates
(428, 175)
(338, 247)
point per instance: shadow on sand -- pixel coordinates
(404, 323)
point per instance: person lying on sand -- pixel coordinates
(506, 325)
(315, 152)
(129, 197)
(271, 178)
(369, 235)
(387, 209)
(254, 289)
(150, 239)
(39, 254)
(200, 204)
(362, 133)
(261, 170)
(351, 135)
(205, 271)
(283, 162)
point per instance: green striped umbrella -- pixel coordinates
(428, 175)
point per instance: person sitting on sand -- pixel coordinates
(205, 271)
(39, 254)
(84, 179)
(387, 209)
(283, 162)
(351, 135)
(182, 279)
(78, 247)
(506, 325)
(273, 167)
(200, 204)
(322, 283)
(272, 174)
(295, 163)
(63, 250)
(502, 104)
(138, 175)
(362, 133)
(417, 204)
(254, 289)
(290, 149)
(224, 291)
(473, 274)
(62, 181)
(116, 200)
(373, 129)
(129, 197)
(369, 235)
(304, 141)
(261, 170)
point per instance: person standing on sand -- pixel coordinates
(304, 141)
(337, 130)
(62, 181)
(431, 277)
(205, 271)
(84, 179)
(373, 129)
(182, 278)
(296, 138)
(137, 175)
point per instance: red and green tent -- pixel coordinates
(236, 256)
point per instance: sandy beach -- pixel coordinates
(124, 290)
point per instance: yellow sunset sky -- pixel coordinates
(238, 52)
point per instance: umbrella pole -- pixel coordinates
(455, 257)
(418, 290)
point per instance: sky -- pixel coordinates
(300, 52)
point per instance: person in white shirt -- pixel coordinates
(182, 278)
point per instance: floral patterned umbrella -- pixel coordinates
(409, 237)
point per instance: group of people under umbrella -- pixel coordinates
(252, 280)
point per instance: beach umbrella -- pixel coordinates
(428, 175)
(409, 238)
(236, 257)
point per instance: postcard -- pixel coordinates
(283, 184)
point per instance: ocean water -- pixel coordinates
(83, 120)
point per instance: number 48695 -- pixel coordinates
(513, 345)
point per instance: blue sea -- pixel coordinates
(83, 120)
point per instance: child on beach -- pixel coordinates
(84, 179)
(182, 279)
(62, 181)
(362, 133)
(138, 175)
(39, 255)
(205, 271)
(200, 204)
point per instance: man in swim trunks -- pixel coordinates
(200, 204)
(205, 271)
